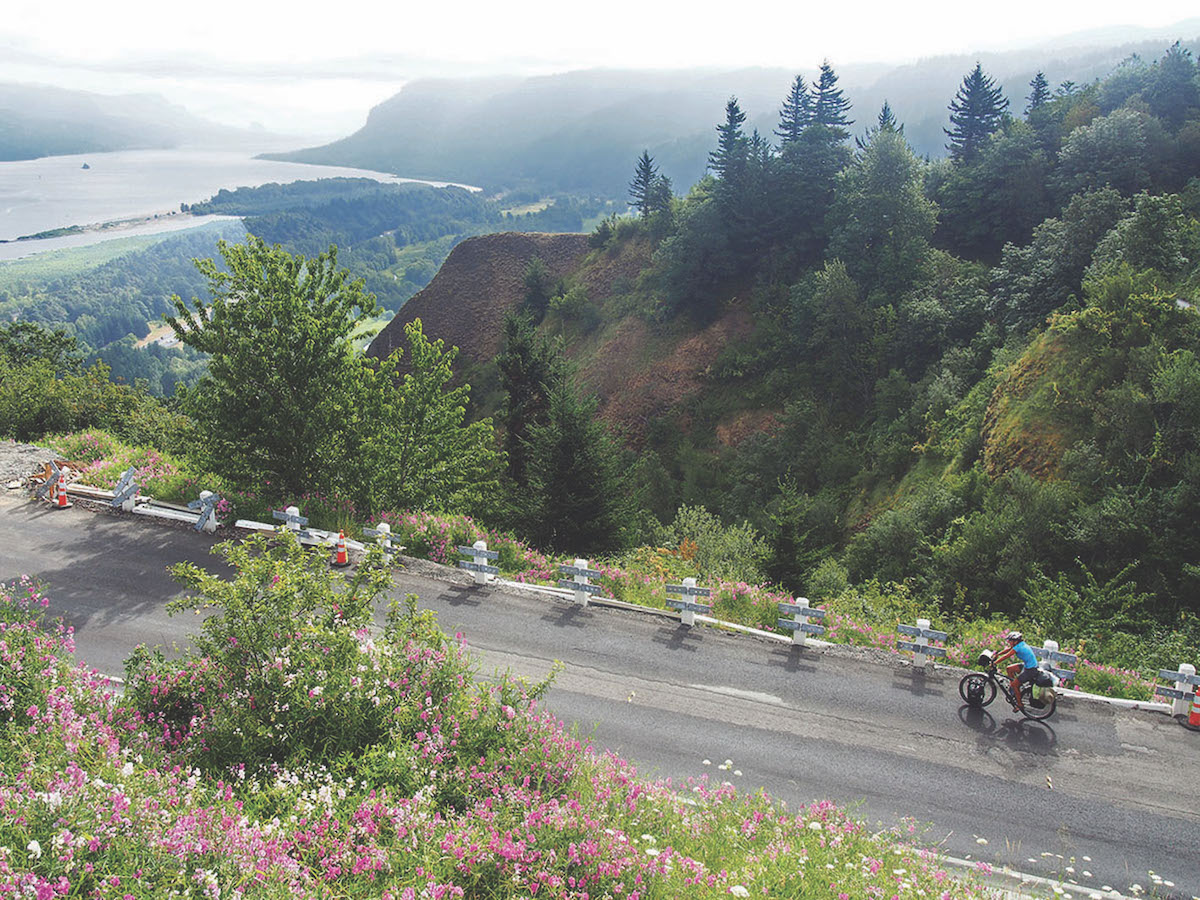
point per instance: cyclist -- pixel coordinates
(1022, 651)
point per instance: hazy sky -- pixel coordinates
(319, 65)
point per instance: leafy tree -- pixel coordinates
(277, 404)
(23, 342)
(835, 326)
(418, 451)
(641, 189)
(975, 113)
(796, 113)
(1155, 235)
(1114, 150)
(1033, 281)
(881, 222)
(1173, 91)
(829, 106)
(1039, 93)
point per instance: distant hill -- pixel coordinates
(582, 131)
(38, 121)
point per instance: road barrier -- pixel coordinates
(125, 493)
(799, 625)
(1050, 654)
(1180, 696)
(206, 507)
(45, 490)
(580, 581)
(687, 608)
(921, 648)
(479, 564)
(383, 537)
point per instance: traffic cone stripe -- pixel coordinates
(342, 558)
(61, 493)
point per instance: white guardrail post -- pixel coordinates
(206, 506)
(579, 582)
(292, 521)
(383, 535)
(799, 625)
(1180, 696)
(1049, 654)
(479, 554)
(125, 491)
(688, 608)
(921, 648)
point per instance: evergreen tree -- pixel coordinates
(1039, 93)
(642, 188)
(796, 113)
(538, 288)
(529, 366)
(828, 105)
(976, 112)
(728, 161)
(886, 124)
(575, 502)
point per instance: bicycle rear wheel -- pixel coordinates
(1038, 709)
(976, 689)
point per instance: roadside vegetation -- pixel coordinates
(296, 752)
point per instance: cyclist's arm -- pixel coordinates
(1007, 653)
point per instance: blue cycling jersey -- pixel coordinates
(1025, 654)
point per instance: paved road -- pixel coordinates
(833, 723)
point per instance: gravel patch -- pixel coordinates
(20, 460)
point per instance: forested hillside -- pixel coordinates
(971, 382)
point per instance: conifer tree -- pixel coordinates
(728, 161)
(529, 368)
(1039, 93)
(886, 124)
(576, 500)
(975, 113)
(828, 105)
(795, 114)
(642, 188)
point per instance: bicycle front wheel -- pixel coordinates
(1038, 709)
(977, 689)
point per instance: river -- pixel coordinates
(141, 188)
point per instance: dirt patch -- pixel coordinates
(637, 392)
(746, 424)
(481, 280)
(18, 461)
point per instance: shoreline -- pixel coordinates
(110, 225)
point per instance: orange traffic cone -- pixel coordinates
(61, 493)
(1194, 714)
(342, 558)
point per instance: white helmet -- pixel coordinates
(1014, 637)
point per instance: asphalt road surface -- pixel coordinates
(1111, 793)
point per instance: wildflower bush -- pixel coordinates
(299, 753)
